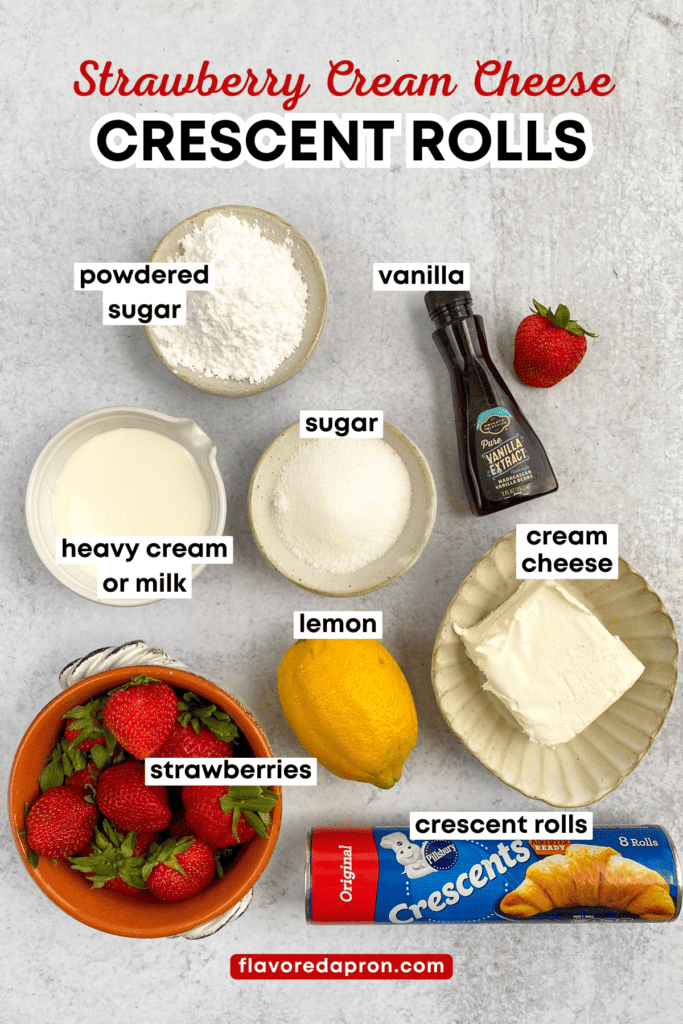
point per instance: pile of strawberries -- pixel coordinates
(96, 811)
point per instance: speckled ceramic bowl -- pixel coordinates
(306, 262)
(599, 759)
(399, 558)
(138, 916)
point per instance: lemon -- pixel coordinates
(350, 706)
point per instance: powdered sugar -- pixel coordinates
(254, 319)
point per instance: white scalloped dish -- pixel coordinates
(595, 762)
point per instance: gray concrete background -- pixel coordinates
(604, 239)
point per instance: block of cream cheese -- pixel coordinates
(550, 660)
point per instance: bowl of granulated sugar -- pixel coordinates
(262, 321)
(342, 516)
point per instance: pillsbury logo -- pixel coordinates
(440, 854)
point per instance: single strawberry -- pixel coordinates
(84, 780)
(83, 727)
(548, 346)
(179, 868)
(228, 815)
(123, 797)
(60, 822)
(185, 741)
(201, 730)
(141, 714)
(114, 861)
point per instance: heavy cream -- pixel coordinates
(550, 661)
(131, 482)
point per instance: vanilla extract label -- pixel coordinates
(503, 450)
(415, 277)
(505, 456)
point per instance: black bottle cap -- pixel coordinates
(436, 301)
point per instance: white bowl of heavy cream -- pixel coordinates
(123, 472)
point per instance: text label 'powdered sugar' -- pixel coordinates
(155, 567)
(356, 423)
(144, 293)
(497, 824)
(337, 624)
(573, 551)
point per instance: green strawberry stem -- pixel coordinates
(192, 711)
(87, 719)
(65, 759)
(560, 318)
(135, 681)
(112, 858)
(166, 853)
(254, 802)
(61, 764)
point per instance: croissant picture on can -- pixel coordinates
(591, 876)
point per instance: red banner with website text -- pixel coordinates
(279, 966)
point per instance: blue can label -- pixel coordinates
(623, 872)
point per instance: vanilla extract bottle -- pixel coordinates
(502, 461)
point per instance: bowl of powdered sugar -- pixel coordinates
(263, 320)
(342, 516)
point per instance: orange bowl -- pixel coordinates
(138, 916)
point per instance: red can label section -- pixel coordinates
(344, 876)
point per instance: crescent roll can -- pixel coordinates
(379, 876)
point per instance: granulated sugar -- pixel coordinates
(340, 504)
(254, 319)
